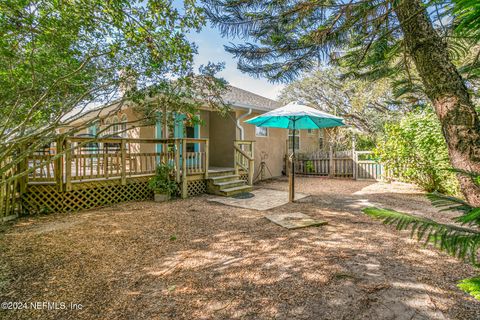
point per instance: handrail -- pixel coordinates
(249, 164)
(73, 162)
(246, 155)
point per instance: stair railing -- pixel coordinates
(244, 158)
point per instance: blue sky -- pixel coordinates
(210, 48)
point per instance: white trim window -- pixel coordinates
(297, 139)
(123, 126)
(261, 131)
(115, 126)
(108, 128)
(312, 131)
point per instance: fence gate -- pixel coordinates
(366, 168)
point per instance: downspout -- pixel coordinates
(239, 126)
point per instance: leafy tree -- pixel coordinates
(61, 58)
(364, 104)
(414, 150)
(376, 38)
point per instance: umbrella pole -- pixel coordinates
(292, 173)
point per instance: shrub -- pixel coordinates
(161, 182)
(414, 150)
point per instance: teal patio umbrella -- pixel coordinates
(296, 116)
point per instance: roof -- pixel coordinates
(235, 97)
(246, 99)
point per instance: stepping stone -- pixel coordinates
(294, 220)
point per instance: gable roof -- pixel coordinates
(246, 99)
(236, 97)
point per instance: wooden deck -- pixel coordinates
(80, 173)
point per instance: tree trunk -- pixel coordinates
(447, 91)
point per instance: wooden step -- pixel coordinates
(228, 192)
(223, 178)
(230, 183)
(220, 172)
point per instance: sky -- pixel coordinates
(210, 48)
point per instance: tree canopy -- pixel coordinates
(364, 104)
(61, 58)
(413, 43)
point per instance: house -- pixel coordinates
(270, 144)
(221, 155)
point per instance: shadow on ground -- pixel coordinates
(193, 259)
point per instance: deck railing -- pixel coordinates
(79, 159)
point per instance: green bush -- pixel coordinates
(161, 182)
(414, 150)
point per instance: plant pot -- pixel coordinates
(161, 197)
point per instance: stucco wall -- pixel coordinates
(270, 148)
(222, 133)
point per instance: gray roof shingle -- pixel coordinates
(246, 99)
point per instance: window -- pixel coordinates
(190, 133)
(93, 129)
(115, 126)
(108, 128)
(312, 131)
(123, 126)
(261, 131)
(290, 139)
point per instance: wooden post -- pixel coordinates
(177, 161)
(291, 196)
(331, 168)
(184, 169)
(287, 161)
(253, 149)
(123, 159)
(68, 165)
(207, 158)
(251, 164)
(23, 167)
(59, 165)
(354, 159)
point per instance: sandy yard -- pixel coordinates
(195, 259)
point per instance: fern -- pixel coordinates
(457, 241)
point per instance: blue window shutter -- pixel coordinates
(158, 131)
(196, 134)
(178, 128)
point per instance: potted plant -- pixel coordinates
(161, 184)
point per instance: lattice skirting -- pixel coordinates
(46, 198)
(196, 187)
(243, 176)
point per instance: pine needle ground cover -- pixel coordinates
(195, 259)
(456, 240)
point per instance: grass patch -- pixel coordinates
(471, 286)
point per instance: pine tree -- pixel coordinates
(377, 38)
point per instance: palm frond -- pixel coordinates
(448, 203)
(457, 241)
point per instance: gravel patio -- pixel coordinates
(196, 259)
